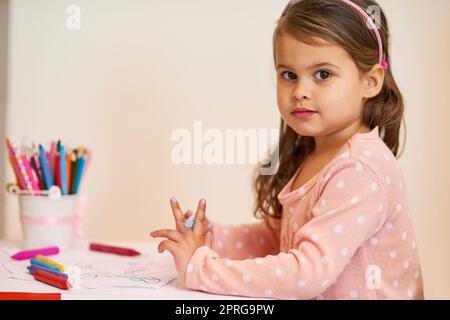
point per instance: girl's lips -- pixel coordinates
(304, 114)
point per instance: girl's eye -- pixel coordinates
(288, 75)
(323, 75)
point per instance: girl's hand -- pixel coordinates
(181, 218)
(182, 245)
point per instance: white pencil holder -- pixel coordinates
(50, 219)
(47, 221)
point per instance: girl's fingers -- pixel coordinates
(167, 233)
(177, 213)
(199, 216)
(207, 225)
(209, 238)
(187, 223)
(187, 214)
(167, 245)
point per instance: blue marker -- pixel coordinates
(189, 223)
(40, 263)
(48, 180)
(78, 173)
(33, 268)
(62, 168)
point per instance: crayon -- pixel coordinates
(30, 254)
(52, 280)
(34, 267)
(37, 262)
(50, 262)
(113, 249)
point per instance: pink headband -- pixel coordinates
(382, 58)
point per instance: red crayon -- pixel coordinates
(52, 280)
(115, 250)
(57, 171)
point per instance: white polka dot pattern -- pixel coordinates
(347, 237)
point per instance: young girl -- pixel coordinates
(336, 221)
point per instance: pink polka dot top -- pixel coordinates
(345, 234)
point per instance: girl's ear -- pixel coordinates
(373, 81)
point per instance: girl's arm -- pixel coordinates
(319, 254)
(246, 241)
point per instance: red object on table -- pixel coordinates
(57, 171)
(52, 280)
(112, 249)
(29, 296)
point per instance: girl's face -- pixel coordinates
(320, 78)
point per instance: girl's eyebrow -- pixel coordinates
(317, 65)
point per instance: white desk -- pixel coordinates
(173, 290)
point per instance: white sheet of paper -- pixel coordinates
(91, 271)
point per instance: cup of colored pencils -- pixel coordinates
(48, 184)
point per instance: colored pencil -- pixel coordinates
(23, 171)
(79, 173)
(58, 170)
(19, 179)
(34, 173)
(15, 164)
(74, 167)
(36, 165)
(51, 160)
(69, 170)
(39, 177)
(62, 168)
(27, 179)
(45, 168)
(31, 177)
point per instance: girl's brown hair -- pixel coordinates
(338, 23)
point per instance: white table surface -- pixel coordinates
(173, 290)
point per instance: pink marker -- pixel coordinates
(51, 160)
(30, 175)
(30, 254)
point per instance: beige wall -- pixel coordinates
(4, 15)
(137, 70)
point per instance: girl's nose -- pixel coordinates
(301, 91)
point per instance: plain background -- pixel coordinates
(138, 70)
